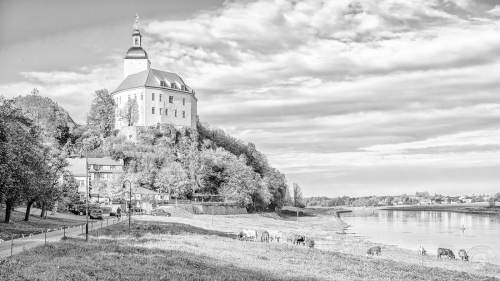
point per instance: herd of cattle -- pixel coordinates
(275, 236)
(299, 239)
(376, 250)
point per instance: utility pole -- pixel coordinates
(129, 202)
(87, 197)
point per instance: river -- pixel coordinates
(478, 234)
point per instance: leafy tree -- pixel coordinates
(298, 200)
(19, 148)
(102, 113)
(276, 184)
(130, 112)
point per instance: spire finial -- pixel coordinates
(136, 24)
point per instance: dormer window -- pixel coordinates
(173, 85)
(163, 84)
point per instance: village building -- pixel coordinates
(104, 174)
(148, 96)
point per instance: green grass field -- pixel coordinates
(174, 251)
(35, 225)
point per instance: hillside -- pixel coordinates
(54, 121)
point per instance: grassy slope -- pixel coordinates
(34, 226)
(197, 254)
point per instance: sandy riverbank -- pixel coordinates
(326, 232)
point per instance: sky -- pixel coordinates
(345, 97)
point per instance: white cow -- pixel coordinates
(248, 234)
(275, 236)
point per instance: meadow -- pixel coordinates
(179, 251)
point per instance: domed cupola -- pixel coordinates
(136, 59)
(136, 53)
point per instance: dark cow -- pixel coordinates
(297, 239)
(264, 236)
(375, 250)
(463, 255)
(445, 252)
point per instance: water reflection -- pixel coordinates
(478, 234)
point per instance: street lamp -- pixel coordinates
(130, 202)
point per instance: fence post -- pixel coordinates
(64, 231)
(45, 237)
(101, 224)
(107, 221)
(11, 243)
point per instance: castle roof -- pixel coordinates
(153, 78)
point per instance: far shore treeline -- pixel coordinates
(419, 198)
(36, 135)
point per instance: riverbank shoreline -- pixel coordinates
(334, 238)
(466, 209)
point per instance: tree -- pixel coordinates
(276, 184)
(101, 117)
(130, 112)
(298, 200)
(20, 145)
(51, 185)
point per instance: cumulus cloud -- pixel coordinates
(71, 89)
(335, 89)
(333, 82)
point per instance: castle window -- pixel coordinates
(183, 114)
(170, 99)
(183, 101)
(152, 96)
(160, 97)
(166, 111)
(152, 110)
(142, 96)
(175, 113)
(161, 109)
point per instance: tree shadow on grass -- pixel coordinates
(107, 260)
(139, 229)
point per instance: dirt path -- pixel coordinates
(29, 242)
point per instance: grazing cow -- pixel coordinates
(262, 236)
(422, 251)
(247, 234)
(375, 250)
(310, 243)
(463, 255)
(299, 240)
(445, 252)
(274, 236)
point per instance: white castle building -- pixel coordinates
(161, 97)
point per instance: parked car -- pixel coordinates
(161, 212)
(96, 213)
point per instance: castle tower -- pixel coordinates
(136, 59)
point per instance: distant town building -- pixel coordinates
(159, 97)
(104, 174)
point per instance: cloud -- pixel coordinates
(71, 89)
(332, 89)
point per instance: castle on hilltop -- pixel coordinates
(148, 96)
